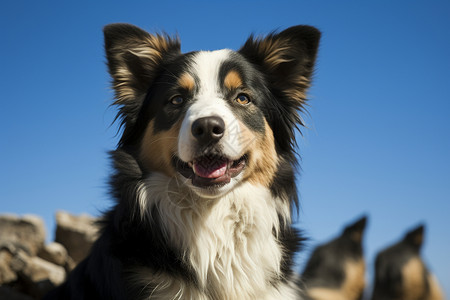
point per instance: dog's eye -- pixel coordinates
(242, 99)
(177, 100)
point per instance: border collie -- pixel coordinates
(336, 269)
(400, 272)
(203, 172)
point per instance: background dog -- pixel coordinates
(336, 270)
(400, 272)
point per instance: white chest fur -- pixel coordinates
(230, 242)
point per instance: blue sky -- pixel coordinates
(377, 140)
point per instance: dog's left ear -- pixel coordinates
(287, 58)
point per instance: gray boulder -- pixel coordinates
(27, 232)
(76, 234)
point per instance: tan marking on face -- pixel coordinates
(262, 157)
(233, 80)
(413, 285)
(187, 82)
(157, 149)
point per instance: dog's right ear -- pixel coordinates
(414, 237)
(134, 60)
(355, 231)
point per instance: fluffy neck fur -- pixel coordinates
(230, 243)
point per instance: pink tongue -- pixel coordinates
(210, 168)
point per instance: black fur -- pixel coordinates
(390, 262)
(126, 240)
(325, 267)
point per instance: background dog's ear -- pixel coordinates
(134, 59)
(287, 58)
(415, 237)
(355, 231)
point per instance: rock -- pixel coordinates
(36, 276)
(54, 253)
(57, 254)
(76, 234)
(70, 264)
(28, 268)
(42, 276)
(27, 233)
(7, 275)
(19, 260)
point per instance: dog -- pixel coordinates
(204, 171)
(336, 269)
(401, 274)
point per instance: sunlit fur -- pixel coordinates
(172, 234)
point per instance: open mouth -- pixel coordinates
(210, 171)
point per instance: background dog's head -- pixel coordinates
(400, 272)
(212, 119)
(336, 269)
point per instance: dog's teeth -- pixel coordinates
(190, 165)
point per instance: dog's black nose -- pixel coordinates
(208, 130)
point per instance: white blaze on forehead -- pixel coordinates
(207, 65)
(209, 102)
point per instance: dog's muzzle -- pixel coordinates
(210, 167)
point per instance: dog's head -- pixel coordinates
(213, 119)
(400, 273)
(336, 269)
